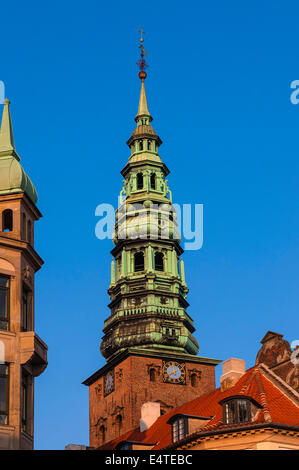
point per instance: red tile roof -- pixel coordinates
(277, 407)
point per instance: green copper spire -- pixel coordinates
(7, 143)
(13, 178)
(148, 287)
(142, 108)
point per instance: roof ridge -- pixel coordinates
(281, 382)
(262, 394)
(248, 381)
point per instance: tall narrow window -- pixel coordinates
(7, 222)
(194, 380)
(25, 397)
(139, 180)
(119, 422)
(159, 265)
(102, 432)
(24, 226)
(29, 231)
(4, 302)
(25, 310)
(4, 393)
(139, 261)
(141, 145)
(152, 375)
(153, 181)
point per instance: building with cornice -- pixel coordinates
(23, 355)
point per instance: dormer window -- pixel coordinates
(124, 445)
(179, 428)
(185, 424)
(236, 410)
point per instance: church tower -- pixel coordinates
(23, 355)
(148, 343)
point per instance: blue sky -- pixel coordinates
(219, 90)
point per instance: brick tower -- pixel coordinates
(23, 355)
(148, 344)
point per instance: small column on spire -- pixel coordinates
(112, 272)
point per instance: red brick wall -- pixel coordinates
(133, 388)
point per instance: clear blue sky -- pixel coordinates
(219, 91)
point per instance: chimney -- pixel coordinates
(150, 412)
(232, 370)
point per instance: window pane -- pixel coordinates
(3, 303)
(4, 281)
(230, 412)
(242, 408)
(3, 369)
(3, 419)
(3, 325)
(3, 394)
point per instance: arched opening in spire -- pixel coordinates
(140, 145)
(139, 261)
(159, 261)
(153, 181)
(139, 181)
(7, 220)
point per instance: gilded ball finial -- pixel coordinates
(142, 75)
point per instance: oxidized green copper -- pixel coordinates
(13, 178)
(148, 306)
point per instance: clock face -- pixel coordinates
(174, 372)
(108, 383)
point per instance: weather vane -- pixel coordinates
(142, 63)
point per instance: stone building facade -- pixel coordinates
(23, 355)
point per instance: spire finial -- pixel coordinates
(7, 143)
(142, 63)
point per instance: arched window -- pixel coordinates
(7, 220)
(153, 181)
(152, 374)
(159, 265)
(139, 180)
(102, 433)
(29, 231)
(194, 380)
(139, 261)
(141, 145)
